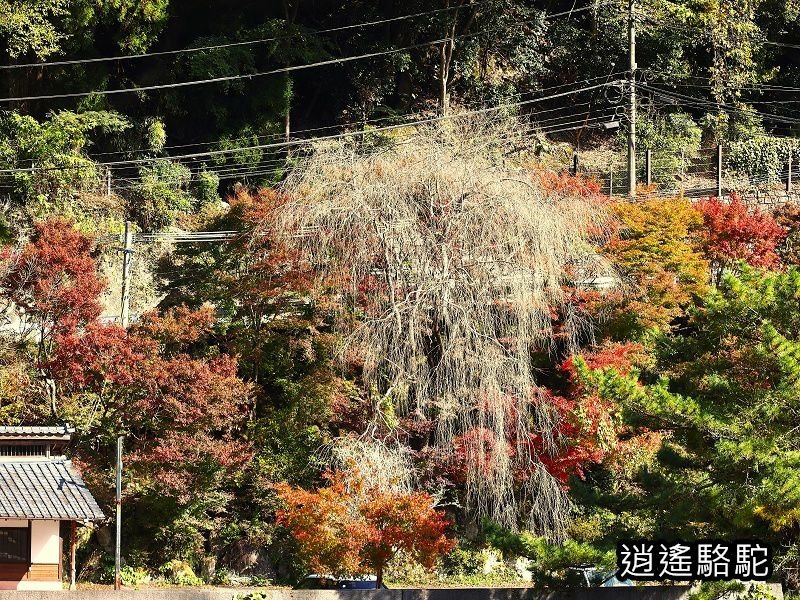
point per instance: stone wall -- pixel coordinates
(770, 197)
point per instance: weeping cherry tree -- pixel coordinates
(446, 262)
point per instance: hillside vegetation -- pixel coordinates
(377, 326)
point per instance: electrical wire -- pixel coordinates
(532, 117)
(81, 61)
(781, 44)
(555, 125)
(293, 143)
(101, 59)
(756, 87)
(552, 129)
(268, 167)
(258, 168)
(357, 124)
(699, 102)
(248, 76)
(287, 69)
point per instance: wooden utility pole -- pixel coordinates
(73, 546)
(127, 257)
(632, 99)
(719, 171)
(117, 554)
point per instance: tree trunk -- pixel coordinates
(446, 55)
(445, 61)
(443, 99)
(290, 15)
(48, 382)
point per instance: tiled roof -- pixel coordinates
(46, 489)
(35, 430)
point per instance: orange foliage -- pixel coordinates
(656, 250)
(325, 526)
(346, 529)
(274, 271)
(589, 430)
(183, 410)
(579, 437)
(568, 185)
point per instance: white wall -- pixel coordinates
(13, 523)
(44, 550)
(44, 542)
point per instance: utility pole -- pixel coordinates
(117, 554)
(73, 545)
(127, 257)
(632, 99)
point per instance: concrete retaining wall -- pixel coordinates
(678, 592)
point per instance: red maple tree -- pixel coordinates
(346, 528)
(733, 232)
(182, 411)
(182, 406)
(587, 432)
(53, 279)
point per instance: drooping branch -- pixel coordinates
(447, 263)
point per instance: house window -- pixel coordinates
(27, 450)
(15, 545)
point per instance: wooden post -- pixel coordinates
(117, 553)
(611, 183)
(108, 181)
(719, 171)
(574, 163)
(73, 545)
(648, 163)
(789, 174)
(632, 98)
(127, 257)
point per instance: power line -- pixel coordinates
(101, 59)
(699, 102)
(257, 169)
(781, 44)
(187, 236)
(194, 82)
(81, 61)
(533, 117)
(292, 143)
(287, 69)
(281, 135)
(266, 167)
(755, 87)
